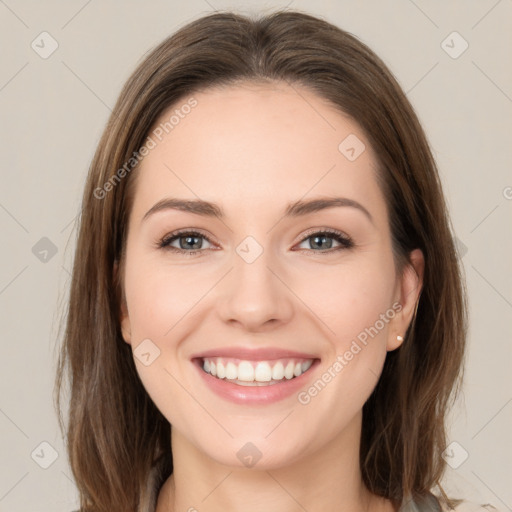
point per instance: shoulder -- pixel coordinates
(434, 503)
(468, 506)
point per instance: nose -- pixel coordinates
(255, 295)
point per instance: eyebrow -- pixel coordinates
(295, 209)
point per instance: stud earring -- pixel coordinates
(399, 338)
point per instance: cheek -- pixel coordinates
(160, 303)
(160, 297)
(349, 297)
(358, 310)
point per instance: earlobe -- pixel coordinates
(394, 343)
(410, 290)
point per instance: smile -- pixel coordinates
(255, 373)
(254, 378)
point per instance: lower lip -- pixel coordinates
(255, 394)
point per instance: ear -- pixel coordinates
(408, 294)
(124, 317)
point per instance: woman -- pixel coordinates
(264, 262)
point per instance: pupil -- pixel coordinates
(188, 241)
(323, 239)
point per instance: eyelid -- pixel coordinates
(164, 242)
(343, 239)
(313, 231)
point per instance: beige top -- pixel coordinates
(468, 506)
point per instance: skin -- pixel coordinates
(253, 149)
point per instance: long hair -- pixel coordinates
(115, 433)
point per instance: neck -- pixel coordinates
(329, 479)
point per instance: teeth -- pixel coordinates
(278, 371)
(245, 371)
(263, 372)
(221, 371)
(254, 373)
(306, 365)
(288, 371)
(231, 370)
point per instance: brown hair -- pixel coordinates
(115, 432)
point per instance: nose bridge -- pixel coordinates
(253, 295)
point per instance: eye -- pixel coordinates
(189, 242)
(323, 240)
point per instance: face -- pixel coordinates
(293, 303)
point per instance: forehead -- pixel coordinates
(250, 145)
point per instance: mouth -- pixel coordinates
(255, 381)
(255, 373)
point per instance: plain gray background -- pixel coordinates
(53, 111)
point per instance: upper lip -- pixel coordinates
(253, 354)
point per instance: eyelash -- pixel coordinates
(344, 240)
